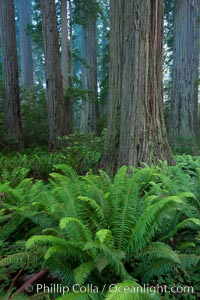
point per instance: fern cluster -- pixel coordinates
(134, 228)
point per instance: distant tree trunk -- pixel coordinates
(89, 73)
(10, 75)
(65, 63)
(136, 130)
(71, 45)
(55, 98)
(184, 101)
(26, 59)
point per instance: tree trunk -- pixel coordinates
(55, 98)
(65, 64)
(136, 130)
(184, 100)
(71, 45)
(10, 75)
(26, 59)
(89, 73)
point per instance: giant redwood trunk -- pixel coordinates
(89, 70)
(26, 59)
(184, 101)
(10, 75)
(136, 130)
(55, 98)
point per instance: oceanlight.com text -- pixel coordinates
(112, 288)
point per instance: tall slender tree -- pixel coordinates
(136, 131)
(26, 59)
(184, 100)
(65, 63)
(10, 75)
(89, 67)
(55, 98)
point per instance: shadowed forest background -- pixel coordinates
(99, 149)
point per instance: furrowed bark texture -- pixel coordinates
(10, 75)
(136, 130)
(55, 98)
(184, 100)
(89, 74)
(26, 59)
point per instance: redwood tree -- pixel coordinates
(136, 131)
(55, 98)
(10, 75)
(65, 64)
(89, 109)
(26, 59)
(184, 100)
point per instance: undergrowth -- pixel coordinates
(88, 229)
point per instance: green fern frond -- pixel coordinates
(188, 223)
(155, 268)
(81, 229)
(112, 257)
(68, 249)
(58, 266)
(65, 191)
(152, 257)
(186, 245)
(94, 205)
(105, 237)
(45, 239)
(7, 296)
(149, 222)
(12, 226)
(19, 260)
(159, 250)
(82, 272)
(188, 260)
(105, 178)
(124, 203)
(51, 231)
(81, 296)
(67, 171)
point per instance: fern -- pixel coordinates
(7, 296)
(82, 272)
(99, 220)
(44, 239)
(152, 256)
(81, 296)
(149, 222)
(111, 256)
(19, 260)
(81, 231)
(187, 223)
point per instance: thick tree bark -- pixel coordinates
(184, 101)
(136, 130)
(26, 59)
(89, 73)
(10, 75)
(65, 64)
(55, 98)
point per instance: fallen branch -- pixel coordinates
(30, 282)
(15, 279)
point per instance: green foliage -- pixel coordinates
(82, 151)
(185, 145)
(34, 116)
(94, 229)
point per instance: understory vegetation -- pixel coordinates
(94, 234)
